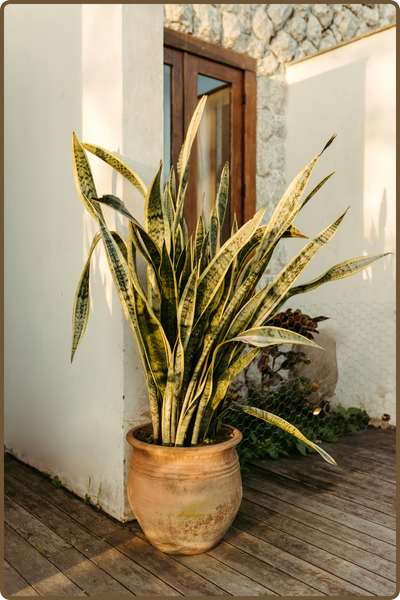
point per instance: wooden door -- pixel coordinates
(193, 64)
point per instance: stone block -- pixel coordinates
(262, 92)
(308, 47)
(314, 30)
(356, 9)
(245, 18)
(370, 16)
(324, 14)
(362, 29)
(269, 191)
(278, 156)
(388, 12)
(328, 40)
(179, 17)
(262, 25)
(299, 53)
(296, 27)
(280, 126)
(255, 47)
(303, 9)
(233, 8)
(279, 13)
(207, 23)
(271, 94)
(264, 158)
(347, 23)
(283, 46)
(277, 95)
(280, 73)
(267, 65)
(336, 33)
(265, 124)
(231, 31)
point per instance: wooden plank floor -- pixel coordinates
(304, 529)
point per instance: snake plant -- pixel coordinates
(199, 312)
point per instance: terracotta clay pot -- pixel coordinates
(184, 499)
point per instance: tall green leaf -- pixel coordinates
(80, 311)
(168, 309)
(274, 420)
(153, 213)
(285, 210)
(269, 336)
(211, 278)
(214, 233)
(278, 288)
(222, 195)
(172, 187)
(190, 135)
(339, 271)
(83, 176)
(119, 165)
(117, 204)
(120, 274)
(186, 309)
(154, 341)
(198, 245)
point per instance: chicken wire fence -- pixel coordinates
(349, 386)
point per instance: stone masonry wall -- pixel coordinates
(275, 34)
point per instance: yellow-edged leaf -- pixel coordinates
(274, 420)
(153, 214)
(83, 176)
(269, 336)
(119, 165)
(80, 311)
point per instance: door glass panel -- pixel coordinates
(167, 123)
(213, 146)
(207, 85)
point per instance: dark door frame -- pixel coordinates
(186, 55)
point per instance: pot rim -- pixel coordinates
(221, 447)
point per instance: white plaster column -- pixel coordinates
(81, 68)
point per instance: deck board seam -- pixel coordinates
(273, 566)
(65, 550)
(138, 534)
(345, 488)
(188, 568)
(94, 534)
(286, 572)
(322, 503)
(22, 577)
(338, 498)
(240, 573)
(373, 538)
(326, 517)
(45, 557)
(314, 546)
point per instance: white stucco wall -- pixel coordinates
(96, 70)
(350, 91)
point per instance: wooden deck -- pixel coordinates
(304, 529)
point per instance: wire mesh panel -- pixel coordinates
(347, 387)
